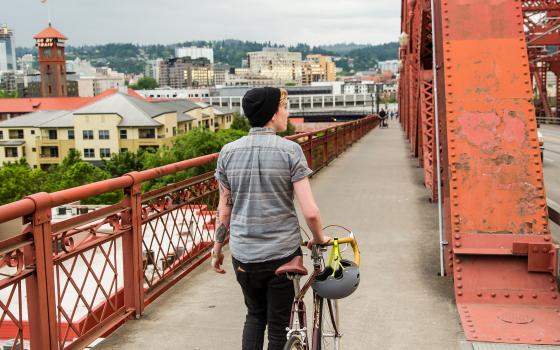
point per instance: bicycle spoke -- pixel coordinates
(330, 337)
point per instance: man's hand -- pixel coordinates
(322, 241)
(217, 261)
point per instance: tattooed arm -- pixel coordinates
(222, 227)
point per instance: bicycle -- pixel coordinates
(326, 333)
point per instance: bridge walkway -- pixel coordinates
(375, 188)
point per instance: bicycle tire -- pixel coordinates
(294, 343)
(330, 325)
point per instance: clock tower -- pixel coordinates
(52, 64)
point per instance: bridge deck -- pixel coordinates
(374, 188)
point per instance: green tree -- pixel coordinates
(8, 94)
(124, 162)
(240, 122)
(18, 180)
(145, 83)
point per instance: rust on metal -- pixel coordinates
(501, 256)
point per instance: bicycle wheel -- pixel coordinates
(330, 325)
(294, 343)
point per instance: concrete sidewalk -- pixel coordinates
(376, 189)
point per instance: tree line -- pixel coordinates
(131, 58)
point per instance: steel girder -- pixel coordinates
(499, 252)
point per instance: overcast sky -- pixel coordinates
(169, 21)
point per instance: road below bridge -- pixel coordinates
(551, 162)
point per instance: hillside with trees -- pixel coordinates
(131, 58)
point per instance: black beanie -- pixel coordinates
(260, 105)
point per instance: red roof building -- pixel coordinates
(50, 33)
(13, 107)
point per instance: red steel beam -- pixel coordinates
(500, 252)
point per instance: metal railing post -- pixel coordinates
(133, 268)
(41, 297)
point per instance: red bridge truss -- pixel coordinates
(496, 240)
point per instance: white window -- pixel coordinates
(105, 152)
(89, 153)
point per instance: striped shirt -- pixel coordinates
(260, 170)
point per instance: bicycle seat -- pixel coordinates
(294, 266)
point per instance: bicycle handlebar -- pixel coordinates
(345, 240)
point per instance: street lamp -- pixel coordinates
(372, 100)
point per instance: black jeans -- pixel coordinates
(269, 301)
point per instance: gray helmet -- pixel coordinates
(342, 284)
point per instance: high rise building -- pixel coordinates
(180, 73)
(391, 65)
(50, 44)
(318, 68)
(152, 68)
(278, 64)
(7, 50)
(195, 52)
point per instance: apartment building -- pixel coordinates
(184, 72)
(278, 64)
(317, 68)
(116, 123)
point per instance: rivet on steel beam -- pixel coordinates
(457, 244)
(471, 325)
(547, 238)
(557, 340)
(459, 293)
(475, 336)
(535, 296)
(553, 288)
(460, 286)
(555, 296)
(459, 277)
(551, 280)
(479, 294)
(517, 339)
(459, 269)
(499, 338)
(520, 295)
(493, 295)
(472, 330)
(457, 236)
(544, 250)
(538, 339)
(535, 250)
(506, 295)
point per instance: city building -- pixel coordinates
(114, 123)
(102, 80)
(220, 73)
(279, 64)
(179, 73)
(195, 52)
(318, 68)
(50, 45)
(152, 68)
(391, 65)
(25, 64)
(166, 93)
(7, 49)
(244, 77)
(14, 107)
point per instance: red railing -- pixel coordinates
(64, 284)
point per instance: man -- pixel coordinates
(383, 117)
(258, 176)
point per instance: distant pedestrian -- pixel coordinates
(392, 114)
(383, 117)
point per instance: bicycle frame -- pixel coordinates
(298, 318)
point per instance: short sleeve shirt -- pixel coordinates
(260, 170)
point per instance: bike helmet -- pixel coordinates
(339, 281)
